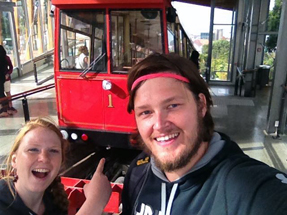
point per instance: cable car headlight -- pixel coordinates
(65, 134)
(74, 136)
(107, 85)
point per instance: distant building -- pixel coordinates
(219, 34)
(204, 35)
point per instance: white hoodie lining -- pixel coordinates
(163, 198)
(170, 200)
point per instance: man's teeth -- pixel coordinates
(166, 138)
(41, 170)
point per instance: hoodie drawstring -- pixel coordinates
(166, 210)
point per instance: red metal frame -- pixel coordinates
(74, 189)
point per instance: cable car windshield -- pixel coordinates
(135, 34)
(82, 41)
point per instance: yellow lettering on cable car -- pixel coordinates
(110, 101)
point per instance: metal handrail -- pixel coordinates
(24, 100)
(27, 93)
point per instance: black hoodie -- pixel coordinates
(11, 206)
(224, 182)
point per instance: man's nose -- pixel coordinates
(160, 120)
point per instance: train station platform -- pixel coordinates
(242, 118)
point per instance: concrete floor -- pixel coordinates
(242, 118)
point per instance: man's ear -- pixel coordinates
(14, 161)
(202, 106)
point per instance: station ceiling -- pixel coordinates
(223, 4)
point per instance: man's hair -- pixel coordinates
(173, 63)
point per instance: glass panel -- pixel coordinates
(6, 36)
(118, 49)
(195, 20)
(222, 45)
(269, 58)
(273, 21)
(36, 31)
(135, 34)
(170, 37)
(222, 16)
(22, 33)
(82, 44)
(180, 42)
(45, 16)
(176, 40)
(221, 52)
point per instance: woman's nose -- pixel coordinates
(43, 156)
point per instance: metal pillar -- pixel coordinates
(280, 74)
(208, 68)
(26, 109)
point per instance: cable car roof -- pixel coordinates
(223, 4)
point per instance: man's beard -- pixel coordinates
(186, 156)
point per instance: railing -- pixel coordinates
(24, 100)
(239, 82)
(45, 56)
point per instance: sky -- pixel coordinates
(195, 19)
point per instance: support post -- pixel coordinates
(25, 109)
(35, 72)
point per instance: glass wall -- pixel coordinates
(30, 22)
(222, 45)
(6, 34)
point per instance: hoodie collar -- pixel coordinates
(215, 145)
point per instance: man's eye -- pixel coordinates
(173, 106)
(146, 112)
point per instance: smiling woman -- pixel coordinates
(32, 185)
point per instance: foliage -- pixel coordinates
(219, 63)
(273, 25)
(269, 58)
(220, 53)
(5, 27)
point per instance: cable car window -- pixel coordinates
(170, 37)
(82, 41)
(135, 34)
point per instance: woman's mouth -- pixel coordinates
(40, 173)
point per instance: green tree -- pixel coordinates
(220, 53)
(273, 25)
(219, 62)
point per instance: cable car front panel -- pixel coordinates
(92, 95)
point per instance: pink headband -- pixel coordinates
(158, 75)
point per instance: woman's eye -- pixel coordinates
(54, 150)
(33, 150)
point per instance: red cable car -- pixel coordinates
(96, 43)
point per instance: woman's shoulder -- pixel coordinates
(8, 204)
(3, 188)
